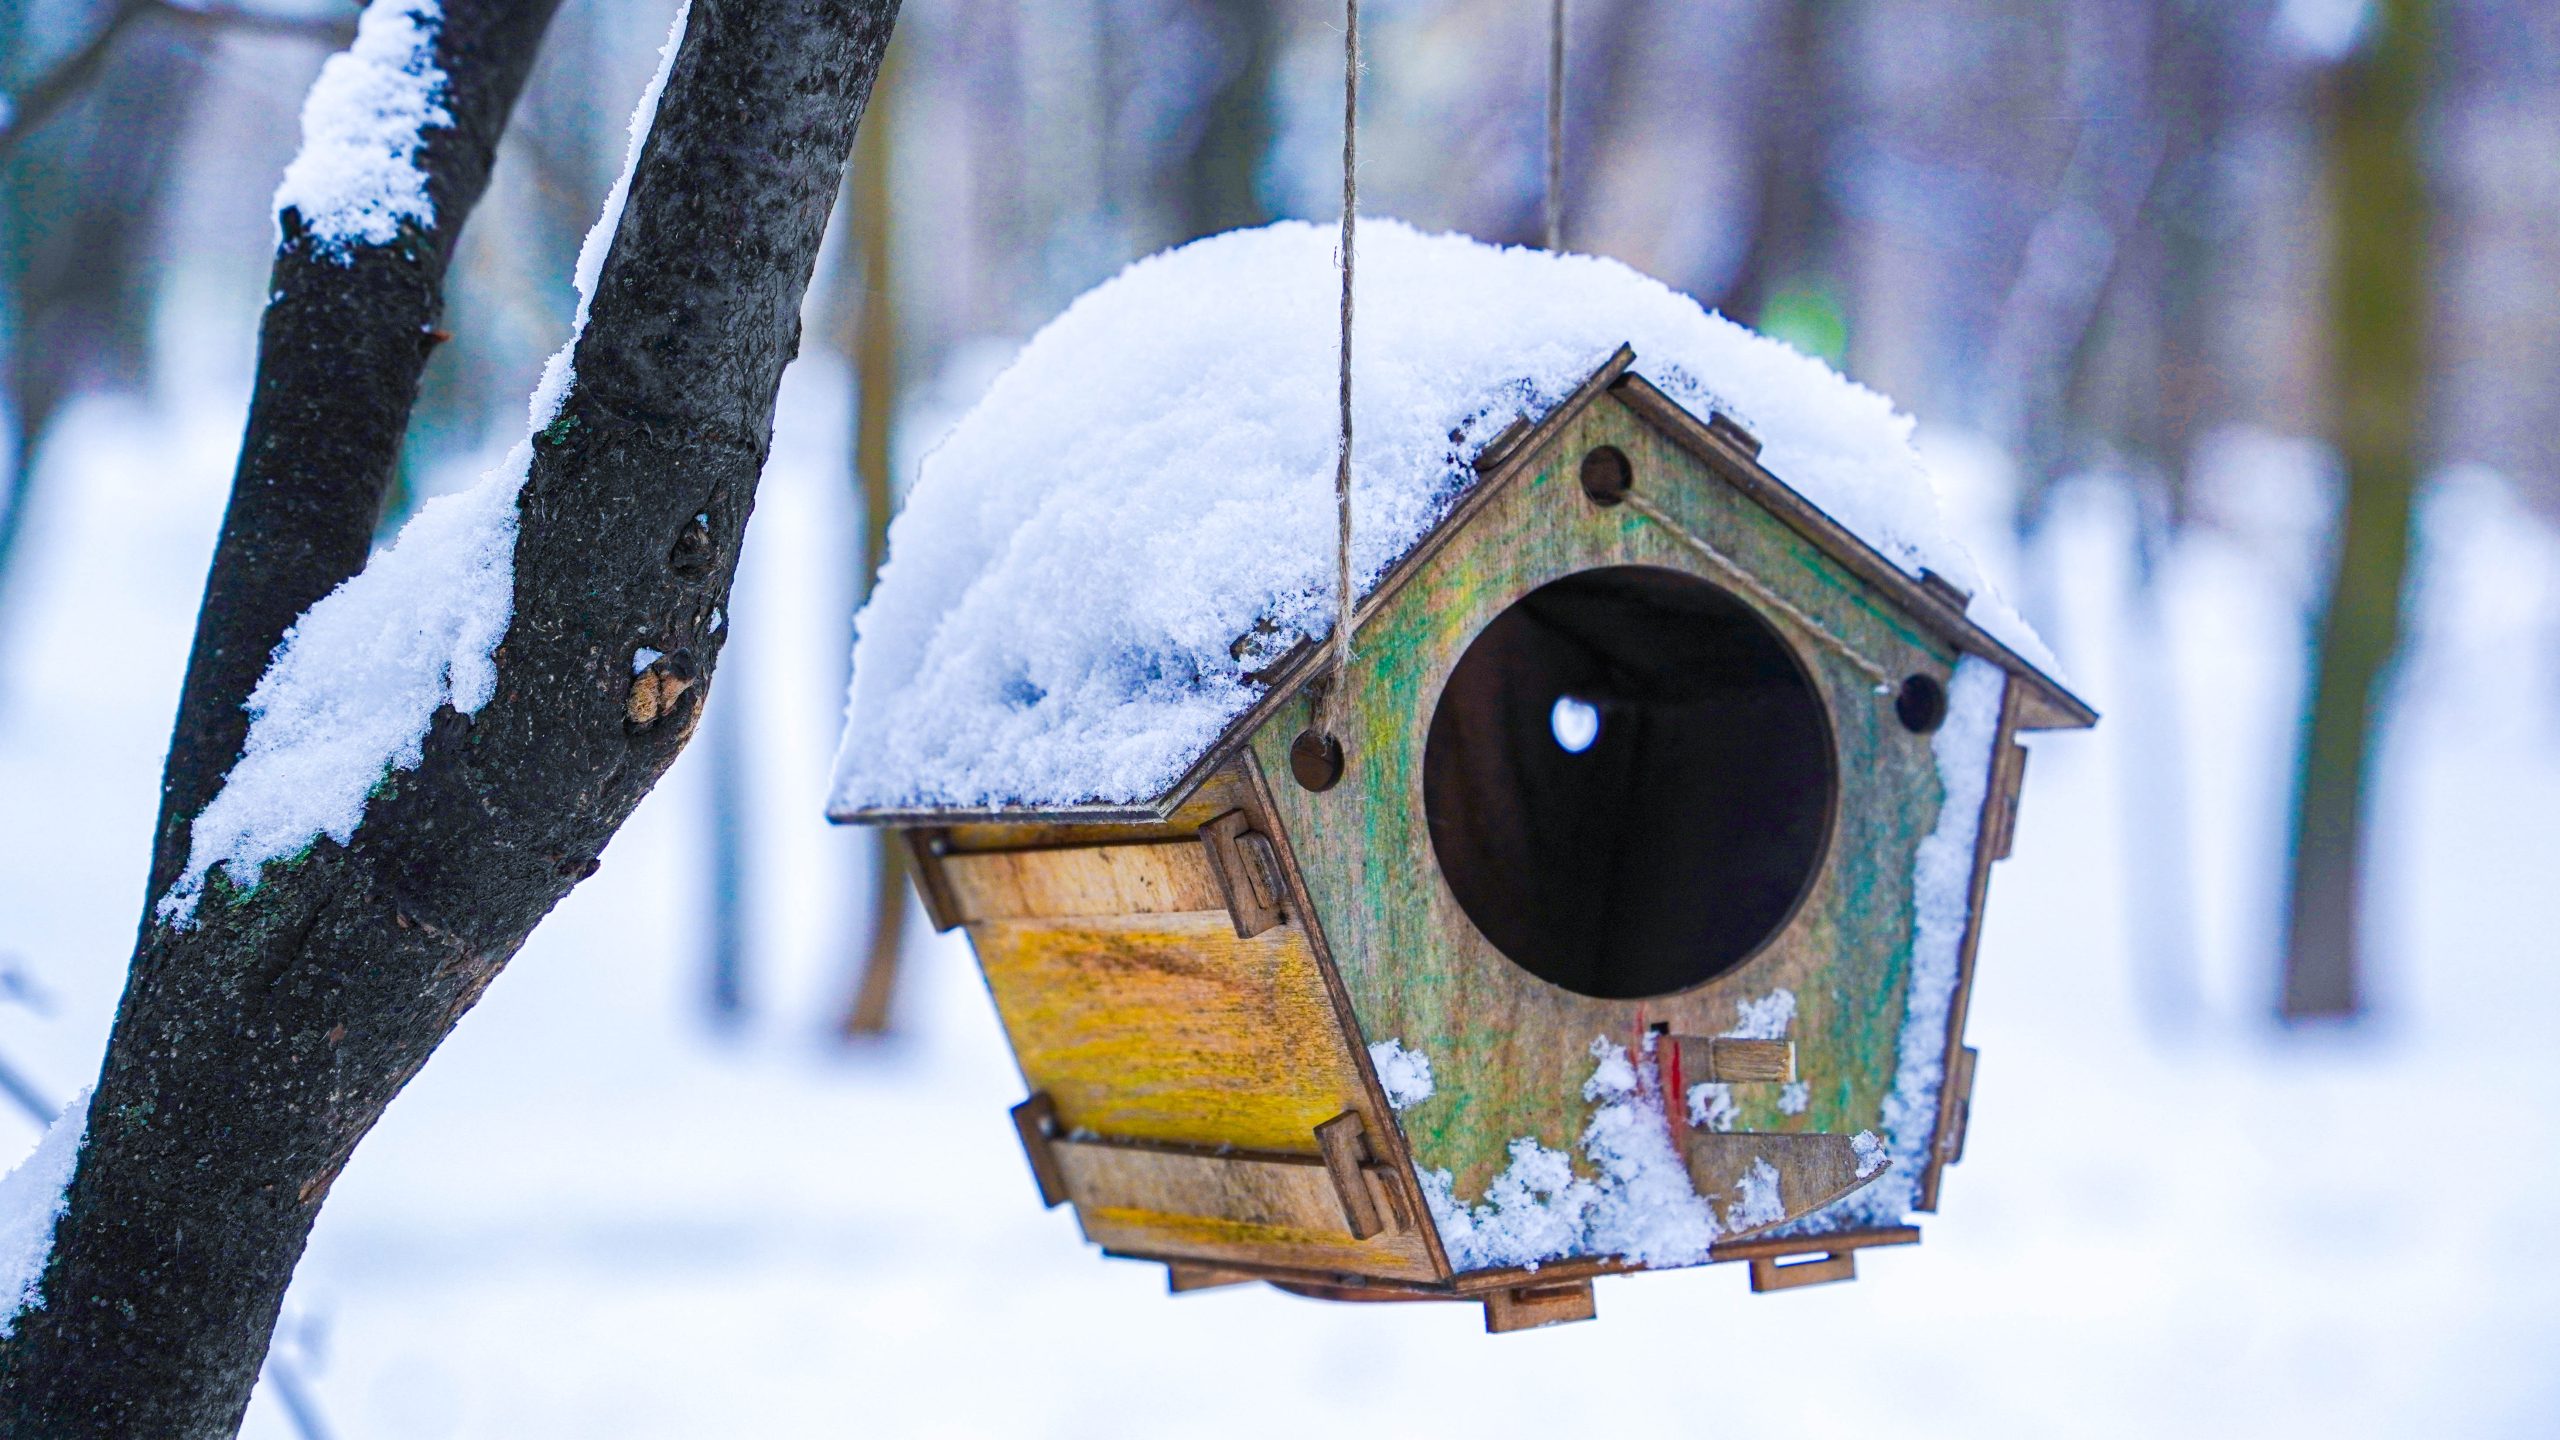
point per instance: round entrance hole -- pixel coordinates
(1629, 782)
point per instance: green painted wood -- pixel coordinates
(1510, 1052)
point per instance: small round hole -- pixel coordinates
(1606, 475)
(1574, 722)
(1316, 760)
(1922, 705)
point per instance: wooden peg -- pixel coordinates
(1036, 1121)
(1345, 1146)
(1532, 1307)
(1247, 870)
(1731, 1061)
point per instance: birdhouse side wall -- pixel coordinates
(1185, 1068)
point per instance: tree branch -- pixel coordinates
(254, 1050)
(340, 351)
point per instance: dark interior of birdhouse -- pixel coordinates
(1629, 781)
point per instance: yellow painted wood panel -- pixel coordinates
(1169, 1028)
(1168, 877)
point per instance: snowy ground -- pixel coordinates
(592, 1217)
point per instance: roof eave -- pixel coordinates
(1726, 448)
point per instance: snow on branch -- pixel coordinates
(31, 1199)
(356, 180)
(350, 695)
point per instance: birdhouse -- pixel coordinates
(1614, 909)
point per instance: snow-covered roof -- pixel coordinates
(1152, 478)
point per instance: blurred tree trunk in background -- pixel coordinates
(2378, 357)
(1788, 283)
(79, 196)
(725, 780)
(877, 389)
(1221, 175)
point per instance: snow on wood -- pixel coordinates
(1404, 1074)
(356, 179)
(1942, 904)
(31, 1199)
(1639, 1205)
(358, 679)
(1152, 479)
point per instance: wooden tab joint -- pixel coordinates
(1721, 424)
(1344, 1142)
(1247, 867)
(1036, 1121)
(1184, 1277)
(1795, 1261)
(1770, 1273)
(1960, 1113)
(925, 849)
(1532, 1307)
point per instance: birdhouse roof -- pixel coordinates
(1123, 555)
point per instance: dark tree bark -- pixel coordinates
(2378, 368)
(253, 1051)
(339, 356)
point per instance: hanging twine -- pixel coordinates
(1340, 668)
(1555, 129)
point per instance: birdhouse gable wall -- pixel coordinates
(1521, 1069)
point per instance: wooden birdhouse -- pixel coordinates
(1628, 922)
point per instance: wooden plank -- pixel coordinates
(2004, 740)
(1831, 1242)
(1035, 1122)
(1247, 874)
(1345, 1150)
(1235, 1210)
(1731, 1061)
(1534, 1307)
(1182, 808)
(1471, 1285)
(1171, 1028)
(1297, 1192)
(1167, 878)
(1812, 1171)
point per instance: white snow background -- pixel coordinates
(587, 1218)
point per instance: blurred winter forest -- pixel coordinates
(2234, 334)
